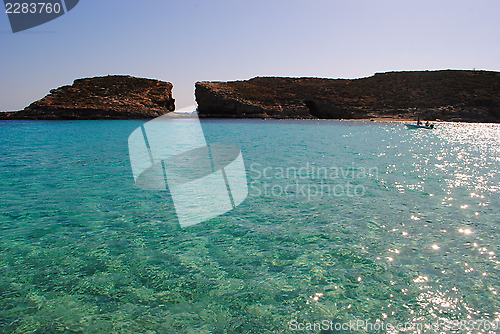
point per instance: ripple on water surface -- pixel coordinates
(416, 241)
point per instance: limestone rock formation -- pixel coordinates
(109, 97)
(450, 95)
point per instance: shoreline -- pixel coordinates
(375, 119)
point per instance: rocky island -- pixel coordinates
(109, 97)
(448, 95)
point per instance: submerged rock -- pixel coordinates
(109, 97)
(450, 95)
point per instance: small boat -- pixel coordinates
(419, 126)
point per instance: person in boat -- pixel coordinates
(418, 121)
(427, 124)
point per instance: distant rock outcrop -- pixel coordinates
(450, 95)
(109, 97)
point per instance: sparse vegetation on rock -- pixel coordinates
(109, 97)
(450, 95)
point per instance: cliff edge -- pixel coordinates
(449, 95)
(109, 97)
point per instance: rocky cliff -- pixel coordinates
(450, 95)
(109, 97)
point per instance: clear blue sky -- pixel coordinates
(185, 41)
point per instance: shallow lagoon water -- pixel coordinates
(415, 241)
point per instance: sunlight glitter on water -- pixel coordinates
(83, 249)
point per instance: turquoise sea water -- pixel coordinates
(344, 222)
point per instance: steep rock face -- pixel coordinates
(109, 97)
(450, 95)
(255, 98)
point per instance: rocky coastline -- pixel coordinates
(449, 95)
(108, 97)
